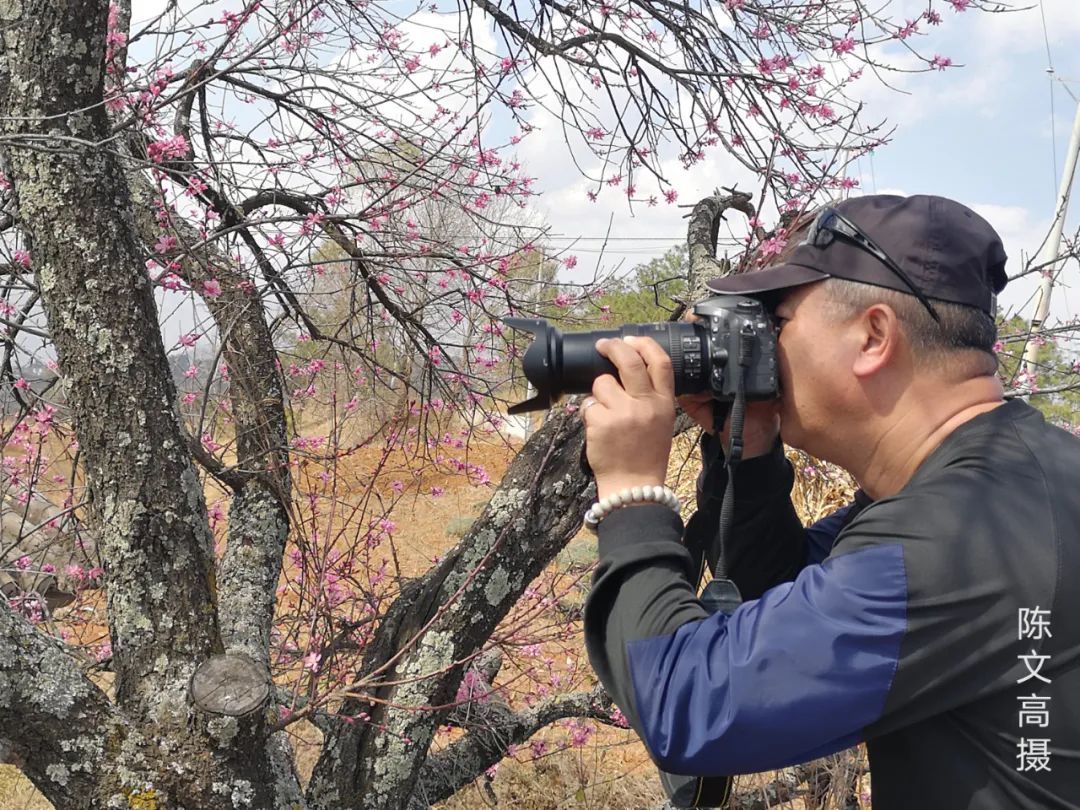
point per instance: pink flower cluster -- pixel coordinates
(172, 148)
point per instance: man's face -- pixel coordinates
(813, 356)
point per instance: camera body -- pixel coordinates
(725, 321)
(705, 354)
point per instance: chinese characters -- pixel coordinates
(1033, 753)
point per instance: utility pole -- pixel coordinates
(1051, 248)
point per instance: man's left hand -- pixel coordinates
(628, 426)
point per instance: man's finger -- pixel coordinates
(606, 390)
(657, 363)
(632, 372)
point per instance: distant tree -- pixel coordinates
(1055, 386)
(651, 292)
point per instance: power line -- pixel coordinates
(1053, 114)
(1046, 37)
(1065, 83)
(672, 239)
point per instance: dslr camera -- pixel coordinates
(731, 347)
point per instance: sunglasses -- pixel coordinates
(830, 224)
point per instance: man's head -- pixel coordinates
(885, 302)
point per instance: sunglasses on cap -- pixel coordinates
(830, 224)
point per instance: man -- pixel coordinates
(936, 618)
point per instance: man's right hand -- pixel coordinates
(761, 427)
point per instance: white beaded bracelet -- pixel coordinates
(625, 497)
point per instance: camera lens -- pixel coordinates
(558, 363)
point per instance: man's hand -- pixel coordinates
(761, 426)
(628, 427)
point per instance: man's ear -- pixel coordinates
(878, 336)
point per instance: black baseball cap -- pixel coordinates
(944, 248)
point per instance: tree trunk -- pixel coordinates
(74, 206)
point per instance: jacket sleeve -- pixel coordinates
(793, 675)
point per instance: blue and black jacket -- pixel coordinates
(896, 622)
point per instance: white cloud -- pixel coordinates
(1022, 30)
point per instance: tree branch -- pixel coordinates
(493, 726)
(55, 720)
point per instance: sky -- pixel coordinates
(980, 132)
(990, 131)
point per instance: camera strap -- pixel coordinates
(722, 594)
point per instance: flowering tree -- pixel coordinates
(182, 196)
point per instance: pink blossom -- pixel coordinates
(437, 492)
(772, 246)
(960, 5)
(940, 62)
(22, 563)
(932, 17)
(473, 687)
(580, 734)
(189, 339)
(570, 262)
(910, 27)
(165, 243)
(845, 45)
(22, 257)
(170, 148)
(562, 300)
(311, 661)
(44, 417)
(311, 223)
(212, 288)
